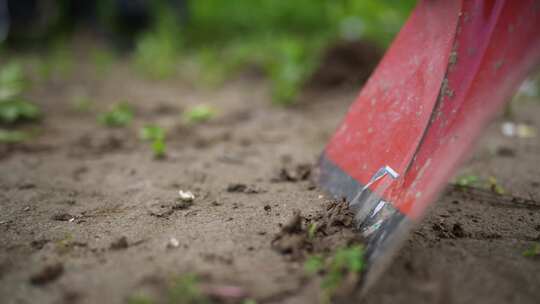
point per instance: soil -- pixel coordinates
(89, 216)
(333, 228)
(346, 64)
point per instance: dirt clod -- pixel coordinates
(119, 244)
(39, 244)
(506, 152)
(333, 228)
(457, 230)
(62, 216)
(26, 186)
(242, 188)
(443, 231)
(182, 204)
(161, 211)
(48, 274)
(300, 172)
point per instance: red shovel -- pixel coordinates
(446, 75)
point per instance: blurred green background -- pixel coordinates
(206, 40)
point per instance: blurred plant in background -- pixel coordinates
(14, 108)
(213, 40)
(283, 38)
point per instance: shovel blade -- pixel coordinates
(446, 75)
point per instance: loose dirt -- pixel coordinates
(88, 214)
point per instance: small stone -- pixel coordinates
(173, 243)
(186, 196)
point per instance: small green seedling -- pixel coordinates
(120, 115)
(181, 290)
(312, 230)
(199, 113)
(159, 147)
(17, 110)
(314, 264)
(468, 180)
(157, 50)
(156, 135)
(64, 245)
(13, 108)
(534, 251)
(495, 186)
(140, 299)
(152, 132)
(12, 81)
(185, 290)
(9, 136)
(345, 261)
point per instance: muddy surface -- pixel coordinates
(89, 216)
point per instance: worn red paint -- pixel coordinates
(449, 71)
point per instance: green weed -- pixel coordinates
(152, 132)
(185, 290)
(12, 81)
(335, 268)
(156, 135)
(468, 180)
(289, 69)
(157, 51)
(120, 115)
(314, 264)
(16, 110)
(534, 251)
(199, 113)
(64, 245)
(495, 186)
(139, 299)
(475, 181)
(283, 38)
(312, 230)
(13, 108)
(13, 136)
